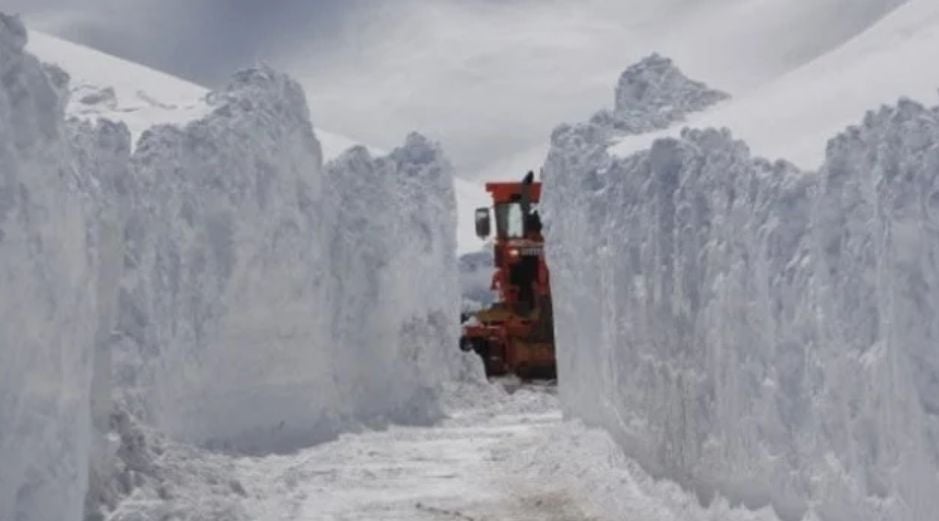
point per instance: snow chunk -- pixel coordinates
(751, 331)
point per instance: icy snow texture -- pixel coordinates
(47, 295)
(752, 331)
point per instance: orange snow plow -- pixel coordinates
(516, 334)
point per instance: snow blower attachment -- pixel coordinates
(516, 334)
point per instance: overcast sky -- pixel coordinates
(489, 79)
(201, 40)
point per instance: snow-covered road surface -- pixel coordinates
(458, 470)
(500, 456)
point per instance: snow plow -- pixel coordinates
(515, 335)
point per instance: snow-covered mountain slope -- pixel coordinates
(103, 86)
(793, 116)
(752, 331)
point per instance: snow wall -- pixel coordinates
(47, 295)
(218, 283)
(393, 289)
(752, 331)
(269, 302)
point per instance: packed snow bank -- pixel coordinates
(220, 334)
(47, 295)
(751, 331)
(267, 304)
(589, 464)
(393, 290)
(217, 283)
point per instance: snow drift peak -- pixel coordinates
(419, 148)
(651, 95)
(656, 84)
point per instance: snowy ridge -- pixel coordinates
(47, 295)
(751, 331)
(793, 115)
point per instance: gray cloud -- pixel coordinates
(203, 40)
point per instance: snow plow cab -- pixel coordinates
(516, 334)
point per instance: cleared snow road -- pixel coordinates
(458, 470)
(499, 457)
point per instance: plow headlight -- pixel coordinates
(514, 253)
